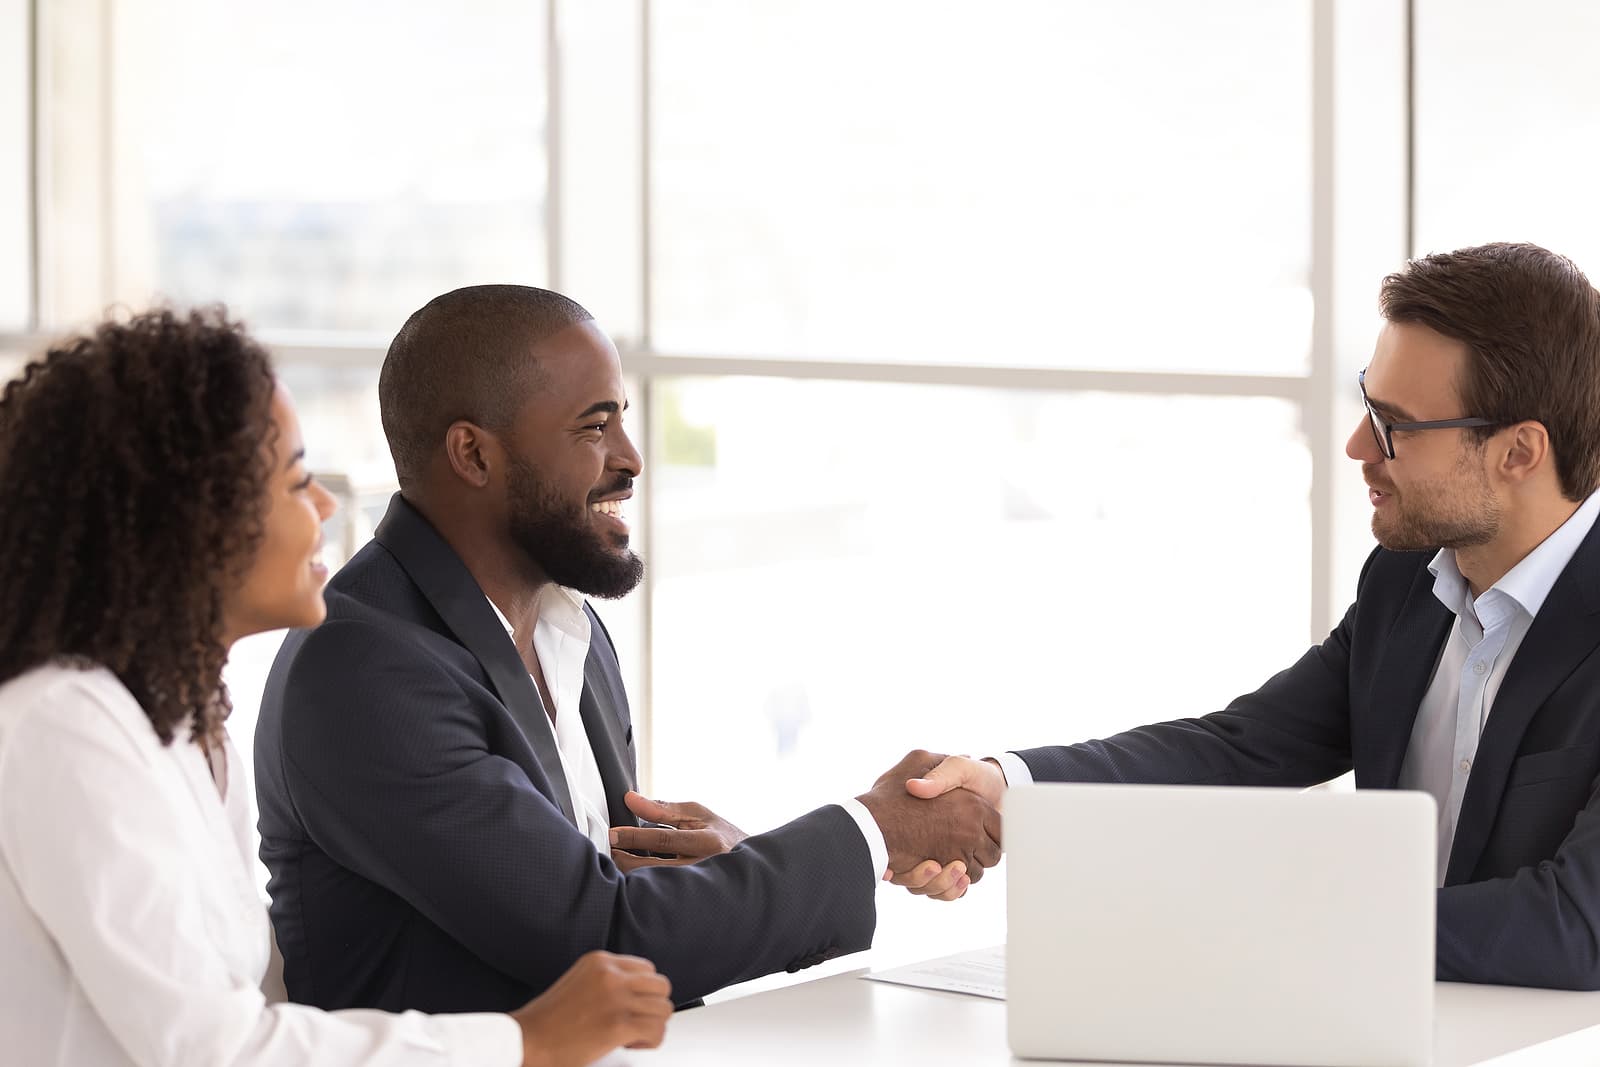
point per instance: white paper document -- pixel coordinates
(981, 973)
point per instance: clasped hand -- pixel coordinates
(940, 818)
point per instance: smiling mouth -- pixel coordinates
(610, 512)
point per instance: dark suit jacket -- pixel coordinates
(419, 830)
(1521, 901)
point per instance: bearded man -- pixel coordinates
(1469, 665)
(444, 766)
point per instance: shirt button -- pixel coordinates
(1466, 765)
(1479, 667)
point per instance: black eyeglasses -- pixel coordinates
(1383, 432)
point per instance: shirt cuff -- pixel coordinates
(1013, 767)
(479, 1039)
(876, 846)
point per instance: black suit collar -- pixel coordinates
(447, 584)
(1410, 653)
(1563, 634)
(600, 723)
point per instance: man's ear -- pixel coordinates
(470, 450)
(1526, 451)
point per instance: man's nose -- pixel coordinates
(625, 457)
(1362, 446)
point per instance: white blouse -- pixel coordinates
(130, 930)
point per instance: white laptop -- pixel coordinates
(1197, 925)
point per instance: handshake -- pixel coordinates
(939, 815)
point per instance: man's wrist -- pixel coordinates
(871, 832)
(1013, 768)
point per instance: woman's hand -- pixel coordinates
(603, 1001)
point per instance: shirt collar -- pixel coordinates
(559, 606)
(1527, 584)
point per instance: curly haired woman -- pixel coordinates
(155, 508)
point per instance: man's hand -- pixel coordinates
(929, 879)
(983, 777)
(601, 1002)
(957, 824)
(693, 832)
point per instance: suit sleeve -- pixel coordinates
(395, 776)
(1538, 927)
(1293, 731)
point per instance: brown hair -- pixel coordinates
(1531, 323)
(133, 483)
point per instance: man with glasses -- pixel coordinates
(1383, 432)
(1469, 664)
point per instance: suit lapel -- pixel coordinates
(441, 576)
(1410, 652)
(606, 739)
(1565, 631)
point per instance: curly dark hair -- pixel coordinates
(132, 483)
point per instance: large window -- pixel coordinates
(1025, 183)
(926, 308)
(844, 569)
(1507, 134)
(328, 167)
(992, 363)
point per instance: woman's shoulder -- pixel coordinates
(62, 698)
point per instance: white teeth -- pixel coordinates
(608, 507)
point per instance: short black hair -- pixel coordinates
(464, 355)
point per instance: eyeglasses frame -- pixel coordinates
(1383, 430)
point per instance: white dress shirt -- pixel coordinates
(561, 642)
(1483, 641)
(130, 925)
(561, 638)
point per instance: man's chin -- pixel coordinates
(1415, 540)
(1397, 540)
(619, 576)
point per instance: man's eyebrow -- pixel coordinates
(1397, 414)
(296, 458)
(610, 407)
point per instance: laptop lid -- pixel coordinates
(1189, 924)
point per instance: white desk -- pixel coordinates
(842, 1021)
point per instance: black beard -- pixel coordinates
(562, 542)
